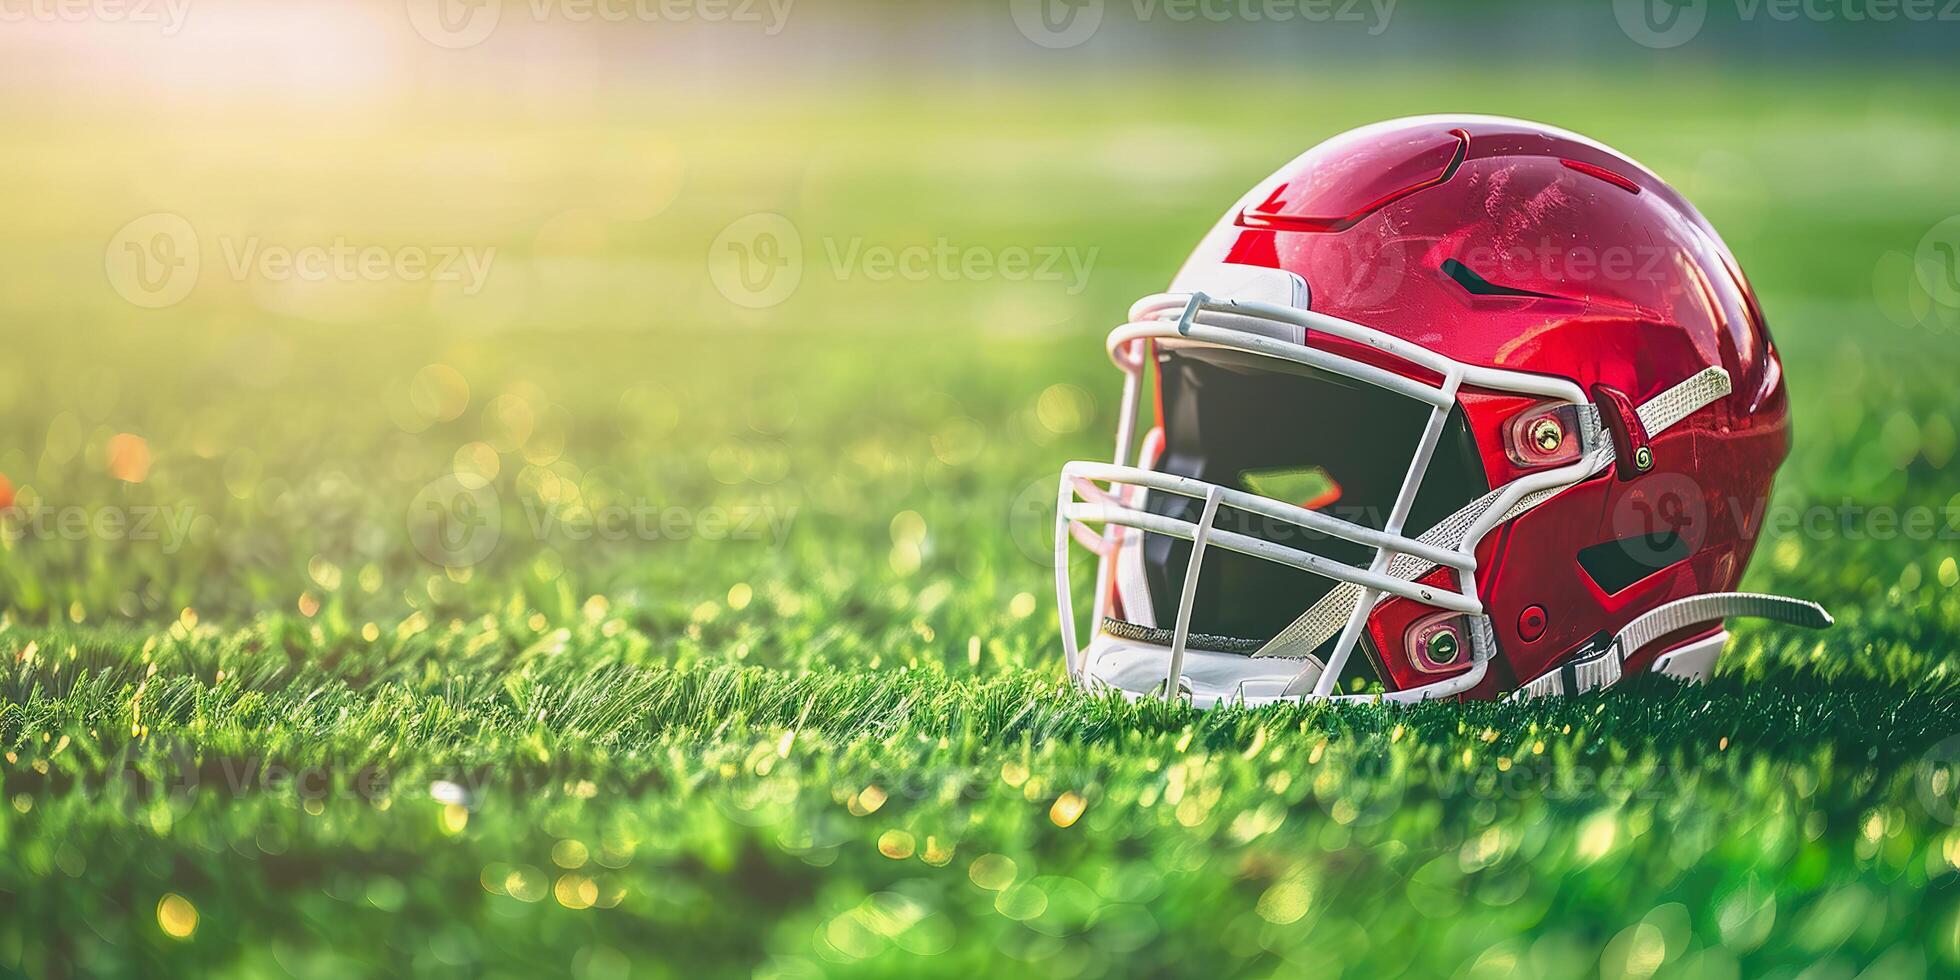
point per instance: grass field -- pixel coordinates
(812, 720)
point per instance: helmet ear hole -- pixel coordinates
(1413, 643)
(1438, 644)
(1546, 434)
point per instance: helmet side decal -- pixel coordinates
(1273, 214)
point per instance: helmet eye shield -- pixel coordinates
(1299, 435)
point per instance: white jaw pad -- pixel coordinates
(1136, 669)
(1257, 283)
(1693, 661)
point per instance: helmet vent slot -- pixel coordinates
(1614, 565)
(1477, 285)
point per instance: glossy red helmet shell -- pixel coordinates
(1634, 290)
(1512, 245)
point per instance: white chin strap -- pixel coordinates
(1590, 671)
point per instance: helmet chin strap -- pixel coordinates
(1592, 671)
(1326, 618)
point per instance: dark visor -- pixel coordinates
(1302, 436)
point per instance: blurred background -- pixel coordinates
(349, 341)
(277, 268)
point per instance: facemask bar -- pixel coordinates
(1262, 328)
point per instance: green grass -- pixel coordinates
(847, 749)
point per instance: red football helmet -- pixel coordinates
(1483, 398)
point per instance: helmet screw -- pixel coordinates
(1443, 646)
(1643, 459)
(1547, 435)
